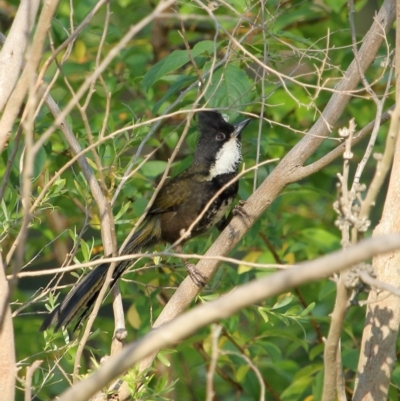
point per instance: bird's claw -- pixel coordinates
(197, 277)
(238, 210)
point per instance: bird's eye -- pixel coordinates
(220, 136)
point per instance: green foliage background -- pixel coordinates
(282, 336)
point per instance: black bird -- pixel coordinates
(180, 201)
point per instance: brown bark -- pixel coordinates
(7, 348)
(378, 355)
(378, 347)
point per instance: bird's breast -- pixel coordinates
(199, 211)
(218, 208)
(214, 214)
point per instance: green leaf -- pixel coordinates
(263, 314)
(122, 211)
(308, 309)
(40, 161)
(181, 82)
(57, 187)
(85, 250)
(323, 238)
(396, 376)
(108, 155)
(5, 210)
(154, 168)
(139, 206)
(288, 335)
(317, 350)
(329, 288)
(297, 388)
(350, 359)
(336, 5)
(162, 356)
(309, 370)
(273, 351)
(240, 5)
(205, 46)
(175, 60)
(318, 385)
(283, 302)
(241, 373)
(230, 87)
(295, 38)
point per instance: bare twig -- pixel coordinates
(30, 370)
(380, 285)
(384, 164)
(12, 53)
(7, 350)
(215, 334)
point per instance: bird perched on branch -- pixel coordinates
(194, 200)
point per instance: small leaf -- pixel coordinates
(39, 163)
(297, 387)
(162, 356)
(80, 50)
(317, 350)
(85, 250)
(180, 83)
(263, 314)
(175, 60)
(163, 67)
(122, 211)
(133, 317)
(283, 302)
(308, 309)
(230, 86)
(154, 168)
(336, 5)
(205, 46)
(250, 257)
(273, 351)
(241, 373)
(58, 185)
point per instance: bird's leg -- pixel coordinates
(197, 277)
(236, 211)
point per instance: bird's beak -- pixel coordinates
(239, 127)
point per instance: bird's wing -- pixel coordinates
(175, 192)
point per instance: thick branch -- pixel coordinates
(245, 295)
(289, 170)
(378, 348)
(12, 53)
(25, 81)
(8, 371)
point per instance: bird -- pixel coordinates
(180, 201)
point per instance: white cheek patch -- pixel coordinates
(227, 159)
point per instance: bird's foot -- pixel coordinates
(197, 277)
(238, 210)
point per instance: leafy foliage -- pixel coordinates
(277, 60)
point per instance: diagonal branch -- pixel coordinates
(247, 294)
(289, 170)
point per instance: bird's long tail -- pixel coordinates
(81, 298)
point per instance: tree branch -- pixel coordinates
(13, 51)
(247, 294)
(378, 356)
(288, 171)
